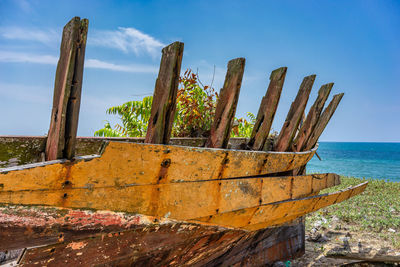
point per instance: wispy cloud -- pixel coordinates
(48, 37)
(136, 68)
(127, 40)
(17, 57)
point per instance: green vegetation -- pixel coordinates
(376, 210)
(134, 116)
(193, 117)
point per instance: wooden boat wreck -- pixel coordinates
(157, 200)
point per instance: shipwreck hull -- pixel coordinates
(157, 201)
(88, 238)
(253, 219)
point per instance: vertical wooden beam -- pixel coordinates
(312, 117)
(164, 97)
(267, 109)
(65, 74)
(293, 117)
(323, 121)
(74, 101)
(226, 106)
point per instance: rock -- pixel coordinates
(391, 230)
(317, 237)
(318, 223)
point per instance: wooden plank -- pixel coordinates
(266, 112)
(158, 164)
(226, 106)
(290, 126)
(348, 255)
(323, 121)
(312, 117)
(263, 216)
(174, 244)
(284, 242)
(20, 150)
(62, 89)
(74, 101)
(28, 226)
(184, 200)
(164, 97)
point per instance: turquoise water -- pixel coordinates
(369, 160)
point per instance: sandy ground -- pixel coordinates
(324, 241)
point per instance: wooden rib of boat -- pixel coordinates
(123, 164)
(205, 202)
(271, 214)
(44, 185)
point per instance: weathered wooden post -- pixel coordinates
(164, 97)
(294, 115)
(323, 121)
(226, 106)
(312, 117)
(319, 127)
(61, 138)
(266, 112)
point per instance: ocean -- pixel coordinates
(363, 160)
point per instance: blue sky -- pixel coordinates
(355, 44)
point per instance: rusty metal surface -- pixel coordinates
(177, 244)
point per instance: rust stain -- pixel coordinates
(218, 197)
(262, 165)
(223, 165)
(162, 178)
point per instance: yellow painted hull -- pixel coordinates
(182, 201)
(124, 164)
(218, 186)
(267, 215)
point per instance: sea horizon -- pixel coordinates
(377, 160)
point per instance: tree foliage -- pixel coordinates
(193, 117)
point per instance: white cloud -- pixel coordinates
(127, 40)
(136, 68)
(124, 39)
(48, 37)
(17, 57)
